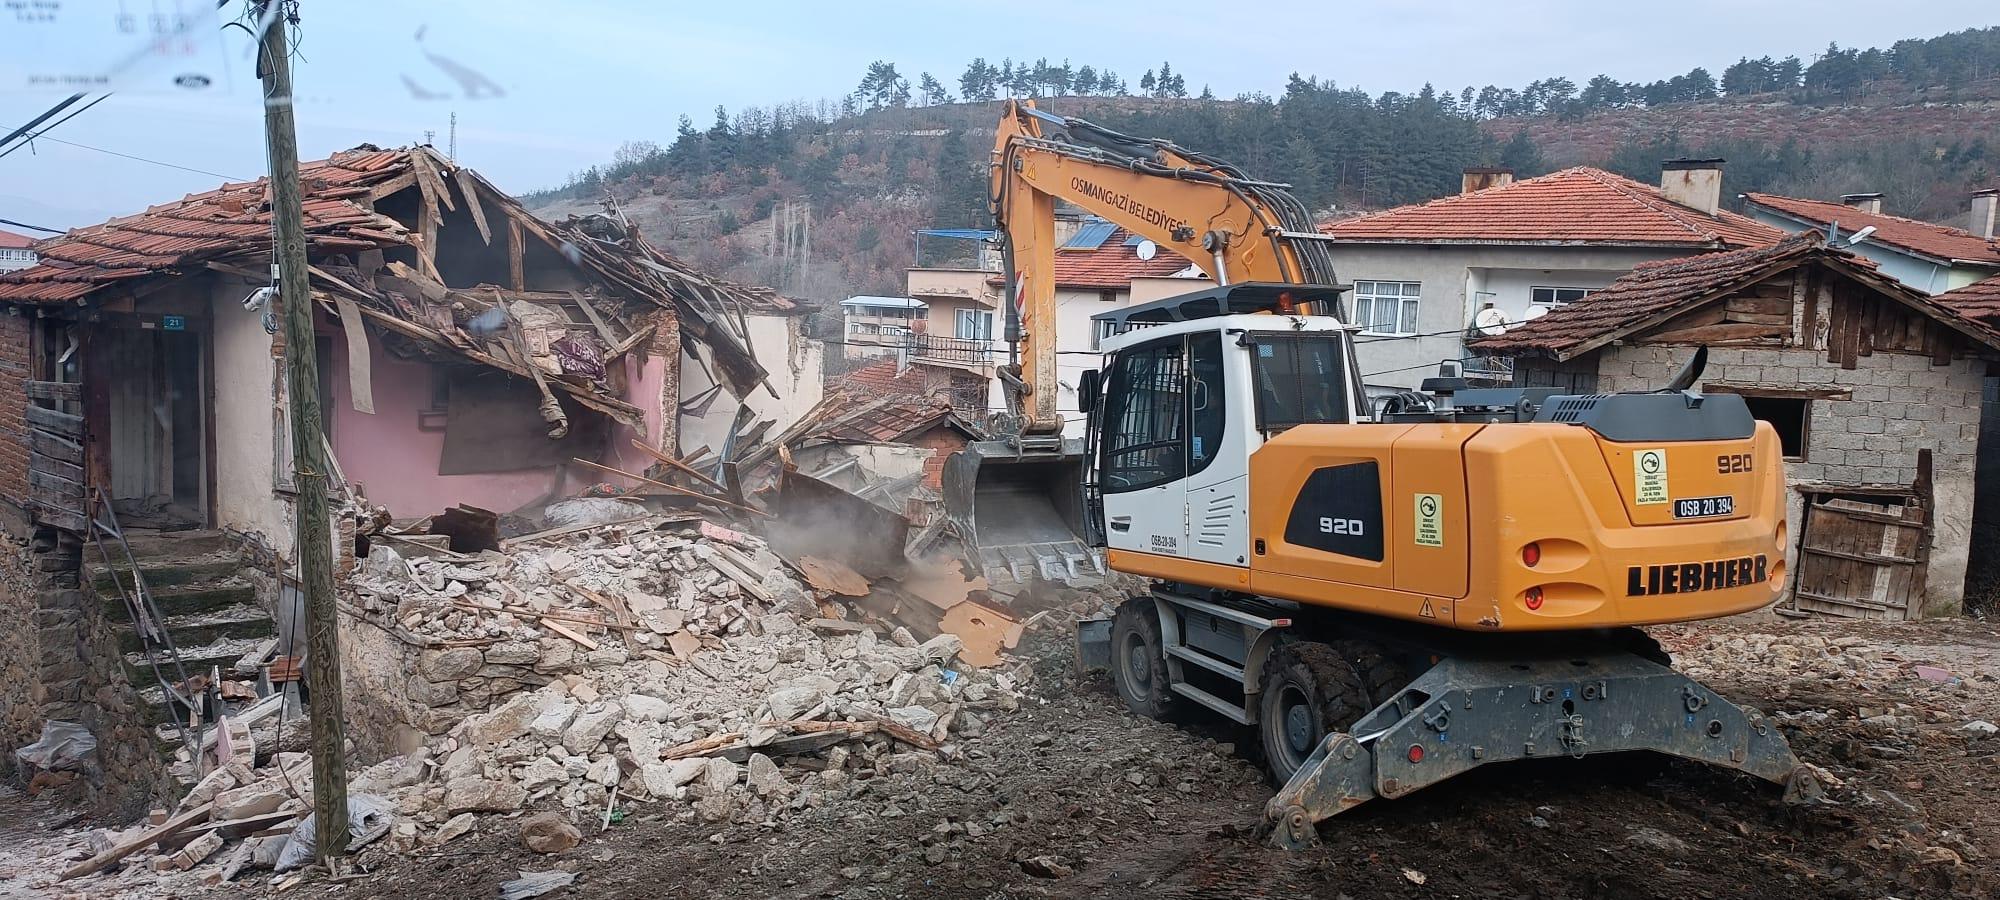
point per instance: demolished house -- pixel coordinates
(600, 539)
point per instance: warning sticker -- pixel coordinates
(1427, 612)
(1430, 520)
(1649, 476)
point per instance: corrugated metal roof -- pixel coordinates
(1090, 237)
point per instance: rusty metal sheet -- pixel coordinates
(832, 576)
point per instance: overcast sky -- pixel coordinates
(582, 76)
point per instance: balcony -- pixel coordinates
(968, 353)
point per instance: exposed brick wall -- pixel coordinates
(944, 441)
(16, 366)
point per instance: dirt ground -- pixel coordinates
(1071, 796)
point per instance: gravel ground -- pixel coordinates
(1073, 796)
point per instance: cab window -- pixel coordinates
(1145, 407)
(1301, 380)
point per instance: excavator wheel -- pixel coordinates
(1138, 664)
(1311, 689)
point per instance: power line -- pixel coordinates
(30, 227)
(59, 107)
(145, 160)
(30, 138)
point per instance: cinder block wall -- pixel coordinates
(1899, 404)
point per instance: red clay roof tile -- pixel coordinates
(1979, 301)
(1580, 206)
(1926, 238)
(230, 219)
(11, 241)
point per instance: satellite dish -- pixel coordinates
(1534, 312)
(1490, 321)
(1148, 249)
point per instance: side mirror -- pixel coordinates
(1087, 387)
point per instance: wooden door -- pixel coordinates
(1862, 559)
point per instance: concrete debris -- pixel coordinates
(645, 661)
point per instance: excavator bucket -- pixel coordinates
(1018, 507)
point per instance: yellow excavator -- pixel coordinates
(1388, 597)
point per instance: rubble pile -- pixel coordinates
(655, 661)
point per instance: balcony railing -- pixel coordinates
(956, 351)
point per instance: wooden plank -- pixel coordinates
(517, 276)
(55, 449)
(62, 487)
(386, 188)
(1870, 558)
(53, 390)
(59, 423)
(1871, 516)
(1942, 342)
(1772, 390)
(67, 520)
(676, 464)
(564, 630)
(52, 466)
(1772, 305)
(1706, 334)
(604, 332)
(360, 380)
(152, 836)
(673, 489)
(467, 190)
(429, 288)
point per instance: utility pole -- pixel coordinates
(315, 542)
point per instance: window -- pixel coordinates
(1789, 416)
(1144, 417)
(1107, 296)
(1206, 399)
(1557, 296)
(1387, 307)
(974, 325)
(1300, 380)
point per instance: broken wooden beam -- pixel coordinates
(151, 836)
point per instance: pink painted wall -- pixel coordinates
(395, 463)
(643, 379)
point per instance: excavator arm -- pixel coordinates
(1234, 228)
(1017, 501)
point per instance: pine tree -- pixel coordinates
(930, 91)
(1086, 81)
(1147, 83)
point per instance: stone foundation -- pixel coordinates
(61, 663)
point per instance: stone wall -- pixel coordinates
(400, 689)
(1898, 404)
(63, 664)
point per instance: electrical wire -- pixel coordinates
(32, 135)
(30, 227)
(145, 160)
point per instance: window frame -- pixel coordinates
(1341, 385)
(1752, 398)
(1554, 290)
(981, 318)
(1119, 394)
(1371, 295)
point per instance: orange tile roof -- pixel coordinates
(230, 219)
(1574, 206)
(1110, 267)
(1979, 301)
(1925, 238)
(1668, 286)
(11, 241)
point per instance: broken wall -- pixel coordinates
(794, 362)
(246, 495)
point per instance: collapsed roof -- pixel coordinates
(366, 202)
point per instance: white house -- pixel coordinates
(1423, 273)
(16, 251)
(1924, 256)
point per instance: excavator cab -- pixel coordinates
(1172, 416)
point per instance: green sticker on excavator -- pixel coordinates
(1649, 476)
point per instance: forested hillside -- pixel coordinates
(821, 199)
